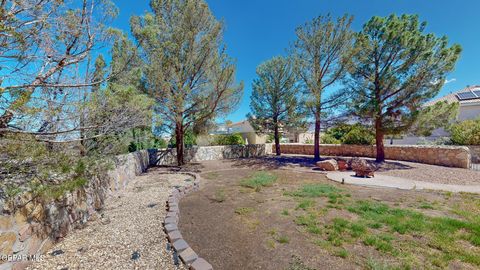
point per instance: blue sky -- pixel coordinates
(257, 30)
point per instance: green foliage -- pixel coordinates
(466, 132)
(190, 139)
(315, 190)
(143, 138)
(349, 134)
(186, 70)
(359, 135)
(329, 139)
(395, 69)
(229, 139)
(259, 180)
(242, 211)
(275, 101)
(322, 54)
(438, 115)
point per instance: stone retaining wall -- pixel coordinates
(450, 156)
(475, 152)
(36, 225)
(202, 153)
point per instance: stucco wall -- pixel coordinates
(451, 156)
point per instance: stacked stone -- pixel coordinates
(186, 253)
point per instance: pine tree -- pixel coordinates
(275, 100)
(322, 53)
(187, 70)
(396, 68)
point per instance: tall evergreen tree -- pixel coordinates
(275, 101)
(397, 67)
(187, 70)
(322, 52)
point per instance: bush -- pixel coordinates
(466, 132)
(229, 139)
(329, 139)
(359, 135)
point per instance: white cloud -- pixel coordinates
(449, 81)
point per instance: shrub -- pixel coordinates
(466, 132)
(359, 135)
(229, 139)
(329, 139)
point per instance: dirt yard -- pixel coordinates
(271, 214)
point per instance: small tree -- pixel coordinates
(274, 101)
(322, 53)
(187, 70)
(396, 68)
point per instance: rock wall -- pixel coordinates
(202, 153)
(475, 152)
(450, 156)
(31, 228)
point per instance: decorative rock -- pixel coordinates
(327, 165)
(5, 223)
(135, 256)
(188, 256)
(170, 227)
(172, 214)
(174, 209)
(6, 242)
(24, 232)
(174, 236)
(201, 264)
(170, 220)
(180, 245)
(342, 165)
(362, 168)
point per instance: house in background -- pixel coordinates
(244, 128)
(469, 108)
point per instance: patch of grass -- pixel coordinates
(271, 243)
(315, 190)
(244, 211)
(219, 195)
(342, 253)
(425, 205)
(259, 180)
(305, 203)
(297, 264)
(285, 212)
(282, 239)
(310, 222)
(381, 242)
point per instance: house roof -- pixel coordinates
(454, 97)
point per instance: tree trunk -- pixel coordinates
(276, 135)
(179, 143)
(316, 138)
(379, 140)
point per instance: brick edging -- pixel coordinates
(185, 252)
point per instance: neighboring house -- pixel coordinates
(469, 108)
(243, 128)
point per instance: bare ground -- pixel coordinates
(216, 223)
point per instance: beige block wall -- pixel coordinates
(451, 156)
(475, 152)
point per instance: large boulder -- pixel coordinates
(343, 164)
(327, 165)
(362, 168)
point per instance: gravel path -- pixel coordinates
(430, 173)
(131, 222)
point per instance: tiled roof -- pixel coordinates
(452, 97)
